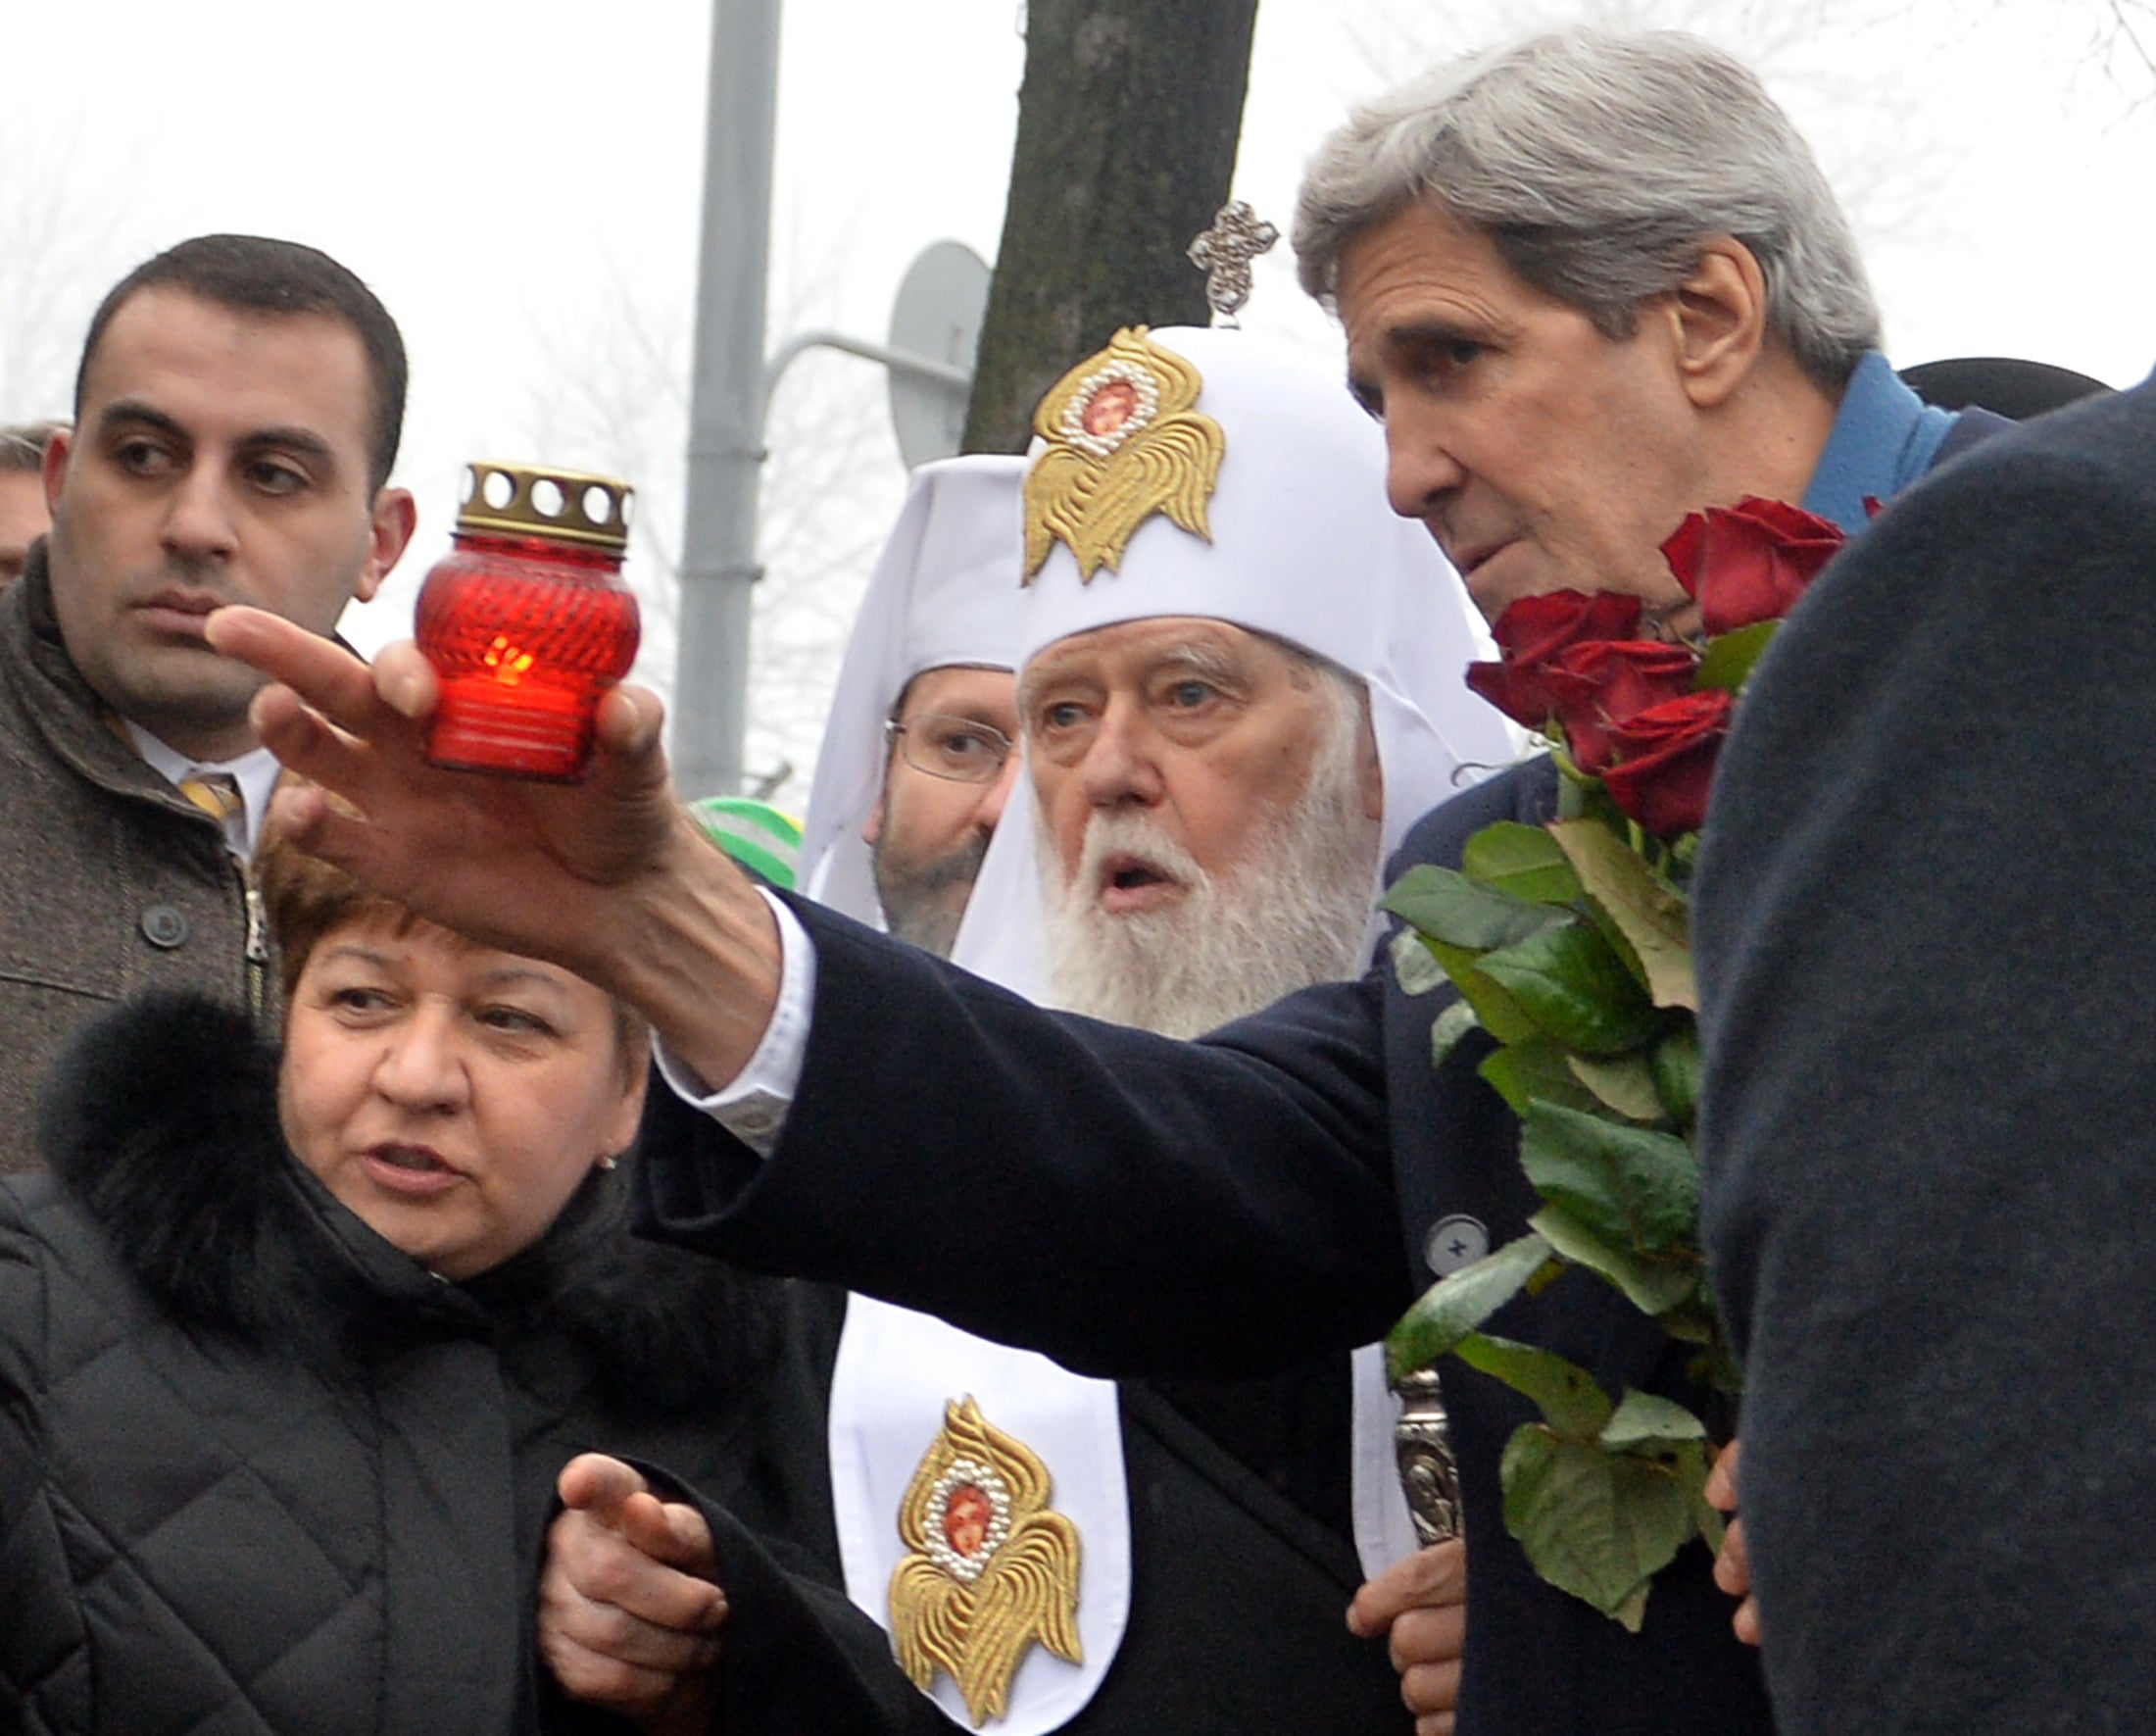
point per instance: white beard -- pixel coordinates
(1293, 912)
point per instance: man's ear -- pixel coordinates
(1719, 321)
(58, 444)
(395, 518)
(872, 827)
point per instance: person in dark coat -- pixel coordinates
(293, 1350)
(1929, 1138)
(1565, 299)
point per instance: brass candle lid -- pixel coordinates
(544, 500)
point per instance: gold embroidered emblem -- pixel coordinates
(991, 1567)
(1123, 442)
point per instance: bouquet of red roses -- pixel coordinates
(1569, 947)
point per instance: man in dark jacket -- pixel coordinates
(236, 416)
(1926, 958)
(1589, 284)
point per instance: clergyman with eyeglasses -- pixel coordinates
(918, 753)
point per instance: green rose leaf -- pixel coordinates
(1728, 661)
(1644, 1420)
(1536, 1070)
(1631, 1186)
(1575, 988)
(1523, 861)
(1651, 918)
(1674, 1060)
(1697, 1321)
(1625, 1084)
(1594, 1523)
(1455, 1305)
(1415, 965)
(1654, 1286)
(1716, 1365)
(1450, 908)
(1448, 1027)
(1573, 1407)
(1497, 1012)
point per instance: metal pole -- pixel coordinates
(948, 374)
(718, 564)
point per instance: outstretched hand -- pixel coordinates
(630, 1612)
(609, 877)
(452, 844)
(1420, 1606)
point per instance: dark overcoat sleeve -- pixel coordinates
(799, 1657)
(1130, 1204)
(1923, 928)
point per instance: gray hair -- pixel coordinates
(1597, 163)
(23, 447)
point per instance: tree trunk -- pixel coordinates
(1127, 129)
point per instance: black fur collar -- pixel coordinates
(161, 1120)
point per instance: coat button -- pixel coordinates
(1454, 1242)
(163, 926)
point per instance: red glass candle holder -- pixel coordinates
(526, 621)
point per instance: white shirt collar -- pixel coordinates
(255, 772)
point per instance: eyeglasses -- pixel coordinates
(957, 748)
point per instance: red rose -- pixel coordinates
(1664, 761)
(1532, 633)
(1611, 681)
(1750, 561)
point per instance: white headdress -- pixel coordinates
(945, 591)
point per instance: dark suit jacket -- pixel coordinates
(1928, 956)
(1141, 1207)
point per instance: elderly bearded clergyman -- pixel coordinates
(1214, 771)
(1206, 802)
(1591, 283)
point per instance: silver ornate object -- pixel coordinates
(1422, 1442)
(1224, 253)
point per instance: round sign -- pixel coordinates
(936, 316)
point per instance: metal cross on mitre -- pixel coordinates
(1224, 253)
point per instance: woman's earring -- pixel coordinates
(607, 1160)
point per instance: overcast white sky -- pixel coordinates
(512, 178)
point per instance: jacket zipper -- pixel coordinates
(258, 954)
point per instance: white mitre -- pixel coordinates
(944, 591)
(1303, 546)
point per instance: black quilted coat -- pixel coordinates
(260, 1471)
